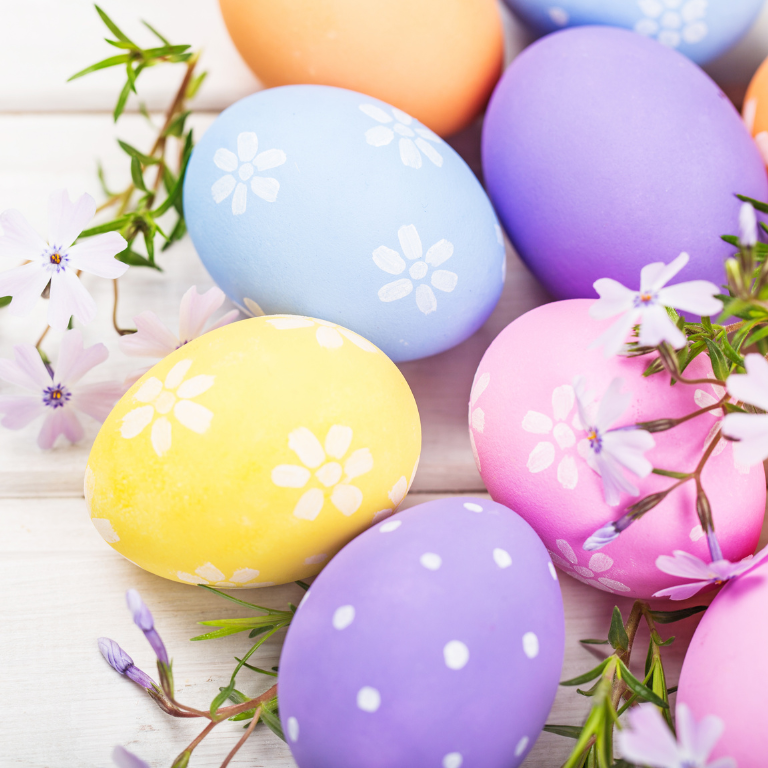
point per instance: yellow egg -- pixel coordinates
(251, 455)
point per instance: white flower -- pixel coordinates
(57, 394)
(477, 415)
(599, 563)
(392, 262)
(328, 335)
(608, 450)
(330, 475)
(413, 135)
(673, 21)
(704, 399)
(646, 306)
(161, 398)
(649, 741)
(750, 429)
(747, 225)
(543, 454)
(57, 260)
(245, 162)
(210, 574)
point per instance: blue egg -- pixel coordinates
(701, 29)
(323, 202)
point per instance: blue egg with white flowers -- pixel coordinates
(319, 201)
(700, 29)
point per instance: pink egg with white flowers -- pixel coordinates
(534, 454)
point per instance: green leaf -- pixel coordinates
(121, 100)
(166, 50)
(257, 669)
(194, 85)
(176, 126)
(113, 28)
(617, 635)
(756, 204)
(303, 585)
(5, 301)
(761, 333)
(178, 231)
(129, 256)
(731, 239)
(113, 61)
(587, 676)
(669, 617)
(223, 695)
(270, 718)
(110, 226)
(637, 687)
(720, 366)
(670, 473)
(238, 600)
(131, 76)
(137, 175)
(594, 642)
(155, 32)
(223, 632)
(730, 352)
(570, 731)
(131, 151)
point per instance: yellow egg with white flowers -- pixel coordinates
(251, 455)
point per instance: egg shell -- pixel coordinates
(435, 59)
(526, 437)
(252, 454)
(435, 639)
(700, 29)
(725, 672)
(756, 108)
(341, 227)
(604, 151)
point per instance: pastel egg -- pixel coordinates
(725, 671)
(756, 109)
(604, 151)
(249, 456)
(434, 639)
(438, 60)
(531, 450)
(701, 29)
(323, 202)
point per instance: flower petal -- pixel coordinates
(97, 255)
(430, 152)
(193, 415)
(648, 741)
(684, 564)
(66, 220)
(358, 340)
(290, 476)
(309, 506)
(697, 296)
(26, 369)
(19, 240)
(379, 136)
(444, 280)
(662, 276)
(152, 338)
(398, 492)
(612, 405)
(161, 436)
(272, 158)
(338, 440)
(440, 252)
(541, 457)
(19, 410)
(537, 423)
(226, 160)
(149, 390)
(563, 398)
(265, 187)
(614, 481)
(396, 290)
(62, 421)
(307, 447)
(24, 284)
(176, 375)
(614, 299)
(751, 430)
(134, 421)
(329, 338)
(377, 113)
(195, 386)
(410, 242)
(222, 188)
(425, 299)
(231, 316)
(567, 473)
(389, 260)
(617, 335)
(682, 591)
(196, 309)
(627, 448)
(409, 154)
(247, 146)
(239, 200)
(751, 387)
(97, 400)
(74, 360)
(347, 499)
(358, 463)
(479, 386)
(69, 298)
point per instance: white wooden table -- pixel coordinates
(63, 586)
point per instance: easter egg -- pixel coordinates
(604, 152)
(250, 455)
(323, 202)
(533, 453)
(438, 60)
(701, 29)
(725, 671)
(434, 639)
(756, 109)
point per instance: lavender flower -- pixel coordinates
(121, 662)
(747, 225)
(689, 566)
(650, 742)
(122, 758)
(144, 621)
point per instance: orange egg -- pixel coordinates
(437, 60)
(756, 108)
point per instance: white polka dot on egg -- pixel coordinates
(453, 760)
(343, 616)
(531, 645)
(456, 654)
(368, 699)
(293, 729)
(473, 507)
(431, 561)
(521, 745)
(502, 558)
(390, 526)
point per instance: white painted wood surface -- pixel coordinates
(63, 586)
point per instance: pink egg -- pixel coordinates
(530, 449)
(725, 672)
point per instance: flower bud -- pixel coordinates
(143, 619)
(669, 358)
(122, 758)
(747, 226)
(121, 662)
(601, 537)
(659, 425)
(733, 272)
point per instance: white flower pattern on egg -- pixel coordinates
(599, 563)
(163, 398)
(242, 168)
(391, 262)
(703, 399)
(477, 415)
(672, 22)
(328, 335)
(331, 477)
(414, 138)
(211, 575)
(397, 494)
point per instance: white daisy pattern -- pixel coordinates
(173, 396)
(477, 415)
(397, 495)
(594, 573)
(241, 169)
(414, 138)
(673, 22)
(704, 399)
(421, 267)
(328, 335)
(210, 574)
(544, 452)
(323, 462)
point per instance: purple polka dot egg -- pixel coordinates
(434, 639)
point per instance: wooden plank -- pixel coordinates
(63, 588)
(39, 154)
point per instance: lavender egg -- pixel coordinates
(433, 640)
(604, 151)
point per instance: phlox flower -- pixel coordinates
(750, 429)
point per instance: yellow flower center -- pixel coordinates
(55, 258)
